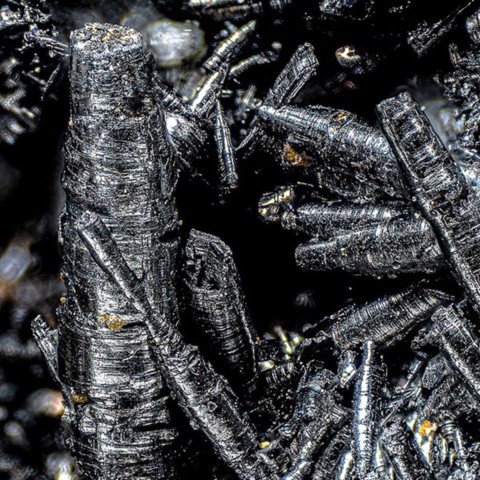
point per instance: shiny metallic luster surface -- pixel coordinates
(443, 196)
(105, 237)
(117, 154)
(268, 247)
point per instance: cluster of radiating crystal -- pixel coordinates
(158, 361)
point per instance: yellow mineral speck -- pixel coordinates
(341, 116)
(282, 335)
(264, 444)
(296, 339)
(290, 153)
(293, 157)
(263, 212)
(113, 322)
(63, 299)
(79, 397)
(266, 365)
(427, 428)
(286, 195)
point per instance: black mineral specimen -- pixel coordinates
(240, 239)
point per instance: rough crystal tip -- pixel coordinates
(104, 39)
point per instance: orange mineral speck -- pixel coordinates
(427, 427)
(290, 153)
(293, 157)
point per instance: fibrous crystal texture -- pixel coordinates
(268, 250)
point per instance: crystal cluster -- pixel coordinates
(269, 240)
